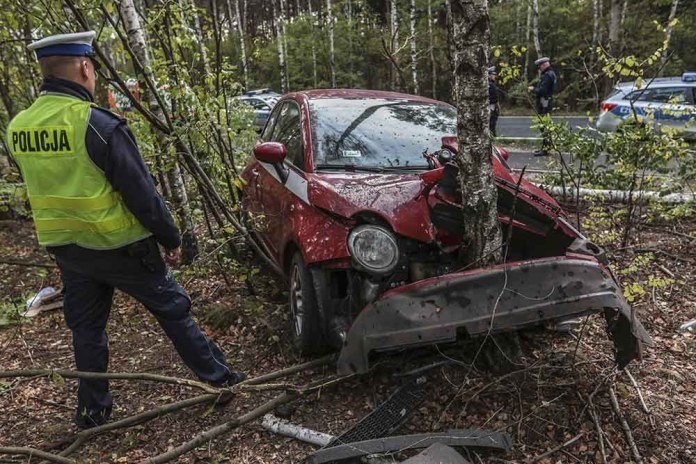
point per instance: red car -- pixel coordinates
(352, 194)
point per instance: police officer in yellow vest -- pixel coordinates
(97, 211)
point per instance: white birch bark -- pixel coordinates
(202, 50)
(668, 32)
(431, 45)
(314, 48)
(394, 40)
(614, 26)
(527, 37)
(284, 17)
(281, 55)
(332, 51)
(595, 22)
(469, 41)
(535, 27)
(242, 39)
(623, 11)
(136, 40)
(349, 12)
(414, 50)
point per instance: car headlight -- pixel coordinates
(374, 248)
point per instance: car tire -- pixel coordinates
(305, 324)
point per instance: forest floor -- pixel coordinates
(542, 402)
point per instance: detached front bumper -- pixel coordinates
(500, 299)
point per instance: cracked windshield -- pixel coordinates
(378, 133)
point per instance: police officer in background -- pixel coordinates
(493, 99)
(97, 211)
(543, 93)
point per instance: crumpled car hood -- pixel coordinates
(398, 198)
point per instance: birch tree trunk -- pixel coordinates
(623, 11)
(394, 41)
(614, 26)
(202, 50)
(668, 33)
(469, 46)
(414, 50)
(349, 14)
(527, 38)
(242, 40)
(314, 48)
(595, 22)
(284, 16)
(136, 40)
(332, 51)
(281, 54)
(535, 27)
(431, 45)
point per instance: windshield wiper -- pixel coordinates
(357, 168)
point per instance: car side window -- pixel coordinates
(270, 125)
(660, 95)
(287, 131)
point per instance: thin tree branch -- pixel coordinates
(31, 452)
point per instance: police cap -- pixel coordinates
(542, 60)
(75, 44)
(492, 70)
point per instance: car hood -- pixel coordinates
(397, 198)
(400, 199)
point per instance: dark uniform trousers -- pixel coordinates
(90, 276)
(545, 109)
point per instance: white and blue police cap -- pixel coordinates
(542, 60)
(75, 44)
(492, 70)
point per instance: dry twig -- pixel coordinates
(556, 449)
(31, 452)
(624, 425)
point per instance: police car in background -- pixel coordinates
(666, 102)
(262, 102)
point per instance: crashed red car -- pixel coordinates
(352, 194)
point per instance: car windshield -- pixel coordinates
(376, 132)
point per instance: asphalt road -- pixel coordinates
(521, 126)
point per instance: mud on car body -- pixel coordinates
(353, 194)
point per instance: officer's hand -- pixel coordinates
(172, 257)
(530, 88)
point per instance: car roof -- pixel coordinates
(657, 82)
(362, 94)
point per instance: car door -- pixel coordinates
(257, 179)
(284, 187)
(673, 106)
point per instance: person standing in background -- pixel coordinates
(543, 94)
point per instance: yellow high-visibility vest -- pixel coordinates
(71, 200)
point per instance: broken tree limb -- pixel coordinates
(288, 429)
(110, 375)
(624, 425)
(620, 196)
(556, 449)
(254, 384)
(31, 452)
(326, 360)
(255, 413)
(13, 262)
(84, 435)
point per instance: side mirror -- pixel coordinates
(270, 152)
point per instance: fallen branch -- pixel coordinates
(556, 449)
(31, 452)
(624, 425)
(254, 384)
(640, 396)
(255, 413)
(84, 435)
(12, 262)
(595, 418)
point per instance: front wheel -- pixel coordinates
(304, 313)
